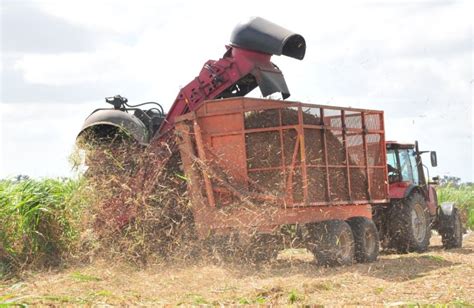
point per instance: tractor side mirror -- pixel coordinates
(434, 159)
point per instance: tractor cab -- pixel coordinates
(406, 173)
(405, 167)
(404, 163)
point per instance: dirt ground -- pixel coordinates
(434, 277)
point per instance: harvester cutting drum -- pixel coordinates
(286, 173)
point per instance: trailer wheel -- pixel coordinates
(332, 243)
(451, 229)
(410, 225)
(366, 239)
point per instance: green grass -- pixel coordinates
(434, 258)
(259, 300)
(38, 221)
(379, 290)
(462, 196)
(83, 277)
(294, 297)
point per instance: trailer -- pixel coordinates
(255, 165)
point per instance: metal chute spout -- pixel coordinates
(261, 35)
(271, 82)
(294, 47)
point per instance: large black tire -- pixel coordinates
(450, 228)
(332, 243)
(410, 225)
(366, 239)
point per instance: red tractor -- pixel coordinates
(405, 223)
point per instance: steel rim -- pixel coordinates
(369, 242)
(345, 247)
(418, 222)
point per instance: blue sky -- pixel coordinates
(59, 59)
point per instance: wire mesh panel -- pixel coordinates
(308, 155)
(272, 154)
(355, 148)
(353, 119)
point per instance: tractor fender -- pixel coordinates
(432, 200)
(447, 208)
(410, 189)
(106, 118)
(401, 190)
(261, 35)
(416, 188)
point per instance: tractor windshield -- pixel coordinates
(409, 171)
(401, 166)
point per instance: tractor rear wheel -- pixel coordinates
(410, 225)
(451, 229)
(332, 243)
(366, 239)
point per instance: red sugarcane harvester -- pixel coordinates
(322, 175)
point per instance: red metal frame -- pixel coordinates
(398, 190)
(216, 77)
(213, 142)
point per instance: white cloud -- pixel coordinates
(73, 68)
(118, 16)
(37, 139)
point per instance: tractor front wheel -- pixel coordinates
(451, 229)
